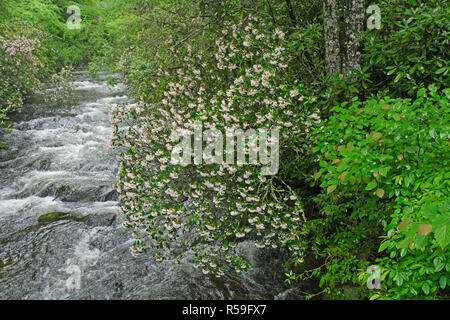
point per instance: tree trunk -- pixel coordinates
(354, 23)
(342, 50)
(331, 33)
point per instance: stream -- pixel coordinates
(58, 161)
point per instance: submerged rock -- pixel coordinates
(97, 220)
(53, 216)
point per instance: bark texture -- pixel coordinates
(343, 19)
(331, 32)
(354, 23)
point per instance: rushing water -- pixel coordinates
(58, 160)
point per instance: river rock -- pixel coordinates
(97, 220)
(52, 217)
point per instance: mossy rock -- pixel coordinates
(53, 216)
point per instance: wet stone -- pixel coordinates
(52, 217)
(98, 220)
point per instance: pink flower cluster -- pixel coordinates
(210, 208)
(19, 67)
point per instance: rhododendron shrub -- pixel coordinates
(19, 68)
(203, 206)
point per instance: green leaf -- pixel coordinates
(439, 221)
(350, 147)
(383, 171)
(426, 288)
(438, 264)
(331, 188)
(421, 241)
(441, 70)
(376, 136)
(391, 72)
(443, 281)
(428, 210)
(372, 185)
(442, 235)
(342, 167)
(384, 245)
